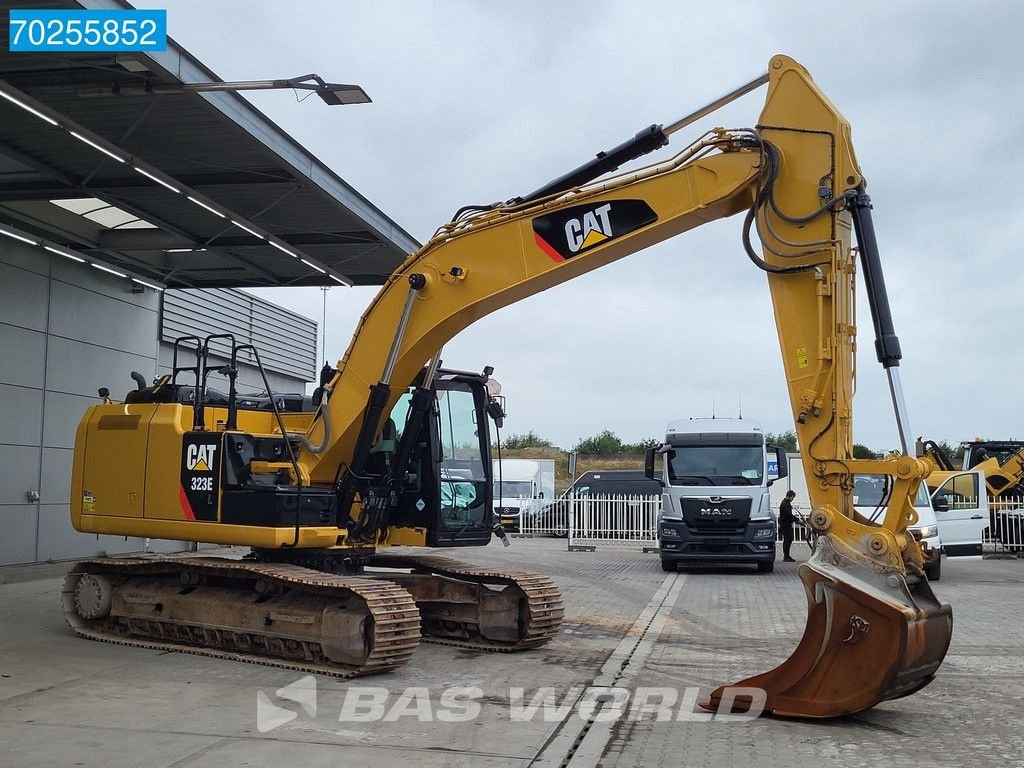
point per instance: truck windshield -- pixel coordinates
(512, 489)
(716, 465)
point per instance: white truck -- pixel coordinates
(950, 519)
(519, 484)
(715, 500)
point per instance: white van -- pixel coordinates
(949, 521)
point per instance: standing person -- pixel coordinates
(786, 524)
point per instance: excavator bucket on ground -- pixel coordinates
(873, 633)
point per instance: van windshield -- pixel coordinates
(511, 489)
(872, 491)
(716, 465)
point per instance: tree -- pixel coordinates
(604, 443)
(530, 440)
(863, 452)
(785, 440)
(640, 447)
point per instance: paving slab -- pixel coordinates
(69, 701)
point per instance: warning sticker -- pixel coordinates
(801, 357)
(88, 502)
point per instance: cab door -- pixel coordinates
(961, 510)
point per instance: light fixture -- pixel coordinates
(336, 94)
(157, 179)
(147, 285)
(16, 236)
(94, 145)
(27, 108)
(107, 269)
(283, 249)
(201, 204)
(310, 264)
(333, 94)
(337, 279)
(252, 232)
(184, 250)
(64, 253)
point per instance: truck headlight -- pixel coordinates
(669, 533)
(764, 533)
(928, 531)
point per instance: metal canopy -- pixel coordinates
(216, 148)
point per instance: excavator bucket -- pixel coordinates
(873, 633)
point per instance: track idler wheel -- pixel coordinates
(872, 634)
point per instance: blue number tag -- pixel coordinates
(87, 31)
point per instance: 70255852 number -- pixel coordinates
(115, 31)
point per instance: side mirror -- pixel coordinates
(941, 503)
(781, 460)
(649, 456)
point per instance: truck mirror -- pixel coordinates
(781, 459)
(941, 503)
(649, 464)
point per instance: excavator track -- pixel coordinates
(478, 608)
(276, 614)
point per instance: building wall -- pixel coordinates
(66, 330)
(285, 341)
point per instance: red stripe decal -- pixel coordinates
(185, 506)
(547, 248)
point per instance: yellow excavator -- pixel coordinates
(397, 451)
(1002, 461)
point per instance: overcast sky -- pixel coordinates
(477, 102)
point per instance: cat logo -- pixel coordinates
(575, 230)
(589, 230)
(199, 457)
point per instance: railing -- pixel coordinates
(544, 517)
(1005, 532)
(630, 521)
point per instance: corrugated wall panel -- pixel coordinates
(286, 341)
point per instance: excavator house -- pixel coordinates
(397, 452)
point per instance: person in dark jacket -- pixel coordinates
(786, 525)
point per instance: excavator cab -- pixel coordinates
(445, 486)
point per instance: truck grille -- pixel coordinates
(716, 513)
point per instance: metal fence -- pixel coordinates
(589, 521)
(540, 518)
(630, 521)
(1005, 532)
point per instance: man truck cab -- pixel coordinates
(715, 501)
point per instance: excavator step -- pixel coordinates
(276, 614)
(478, 608)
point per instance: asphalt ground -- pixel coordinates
(662, 639)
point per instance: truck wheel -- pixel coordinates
(766, 567)
(934, 570)
(668, 565)
(560, 531)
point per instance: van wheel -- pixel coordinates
(766, 567)
(668, 565)
(934, 570)
(560, 531)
